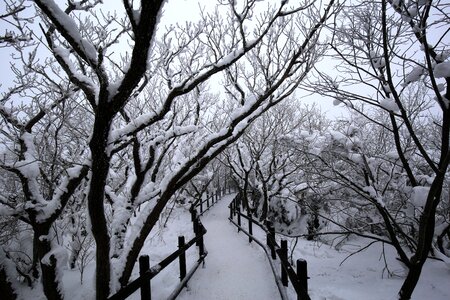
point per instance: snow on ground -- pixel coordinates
(161, 243)
(234, 268)
(334, 275)
(237, 270)
(363, 275)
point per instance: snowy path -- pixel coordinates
(235, 269)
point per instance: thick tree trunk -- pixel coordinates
(49, 277)
(138, 243)
(6, 289)
(100, 168)
(426, 234)
(410, 282)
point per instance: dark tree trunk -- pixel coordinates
(426, 234)
(138, 243)
(6, 289)
(410, 282)
(48, 266)
(245, 197)
(100, 167)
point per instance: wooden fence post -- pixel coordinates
(201, 245)
(271, 239)
(207, 200)
(250, 225)
(283, 258)
(201, 206)
(231, 210)
(193, 214)
(196, 229)
(302, 274)
(239, 220)
(144, 266)
(181, 243)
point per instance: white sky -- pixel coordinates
(175, 11)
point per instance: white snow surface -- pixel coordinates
(237, 270)
(442, 70)
(389, 104)
(234, 268)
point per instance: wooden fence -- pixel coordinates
(298, 279)
(211, 198)
(143, 282)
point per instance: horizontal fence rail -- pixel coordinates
(147, 273)
(298, 279)
(211, 198)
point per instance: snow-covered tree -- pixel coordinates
(16, 33)
(393, 58)
(112, 113)
(268, 172)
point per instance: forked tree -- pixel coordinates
(393, 73)
(118, 115)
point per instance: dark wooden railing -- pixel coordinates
(298, 279)
(147, 273)
(211, 198)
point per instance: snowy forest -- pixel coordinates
(329, 119)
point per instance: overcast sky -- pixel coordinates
(174, 11)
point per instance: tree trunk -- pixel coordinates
(100, 168)
(50, 281)
(426, 234)
(6, 290)
(245, 198)
(138, 243)
(410, 282)
(265, 207)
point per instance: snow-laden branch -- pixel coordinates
(121, 134)
(63, 192)
(29, 170)
(89, 87)
(69, 30)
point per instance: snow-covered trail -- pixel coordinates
(234, 269)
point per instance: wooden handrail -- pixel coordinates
(299, 279)
(199, 231)
(281, 290)
(219, 192)
(155, 270)
(183, 283)
(148, 274)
